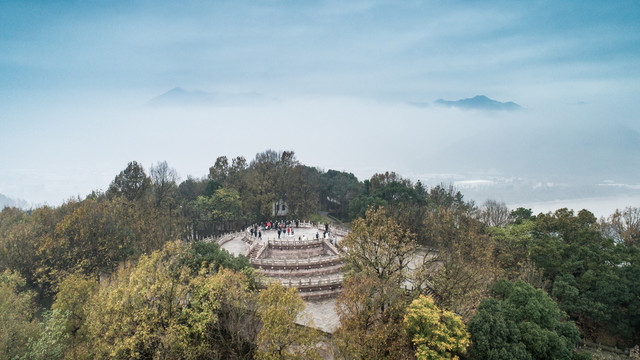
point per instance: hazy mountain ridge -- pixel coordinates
(480, 102)
(179, 97)
(6, 201)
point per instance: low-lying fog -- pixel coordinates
(523, 158)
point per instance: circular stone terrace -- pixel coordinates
(304, 259)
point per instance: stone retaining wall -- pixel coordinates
(302, 272)
(295, 244)
(310, 263)
(293, 253)
(309, 284)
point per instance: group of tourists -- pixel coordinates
(287, 228)
(256, 231)
(326, 234)
(282, 227)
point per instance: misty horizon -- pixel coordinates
(351, 87)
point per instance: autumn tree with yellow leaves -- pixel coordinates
(371, 306)
(280, 337)
(435, 333)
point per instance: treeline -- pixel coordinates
(140, 212)
(428, 275)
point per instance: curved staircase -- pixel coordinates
(311, 266)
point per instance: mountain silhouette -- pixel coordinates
(11, 202)
(179, 96)
(480, 102)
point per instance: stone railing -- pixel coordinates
(307, 283)
(224, 238)
(302, 224)
(335, 230)
(340, 231)
(294, 243)
(310, 262)
(229, 236)
(305, 224)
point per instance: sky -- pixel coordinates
(337, 82)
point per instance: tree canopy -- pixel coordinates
(521, 322)
(435, 333)
(105, 276)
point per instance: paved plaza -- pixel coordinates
(238, 246)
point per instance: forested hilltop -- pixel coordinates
(123, 274)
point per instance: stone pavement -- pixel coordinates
(323, 313)
(237, 246)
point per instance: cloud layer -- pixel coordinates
(332, 79)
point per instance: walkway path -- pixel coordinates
(324, 315)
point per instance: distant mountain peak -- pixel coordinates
(180, 96)
(480, 102)
(13, 202)
(176, 90)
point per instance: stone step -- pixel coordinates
(312, 283)
(295, 264)
(252, 254)
(320, 294)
